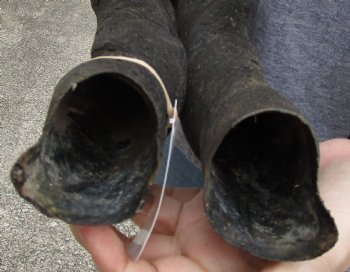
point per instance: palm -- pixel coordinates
(184, 241)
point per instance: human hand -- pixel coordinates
(184, 241)
(181, 241)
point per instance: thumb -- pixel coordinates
(105, 244)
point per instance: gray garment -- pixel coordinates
(304, 49)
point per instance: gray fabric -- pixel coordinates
(182, 173)
(304, 49)
(185, 170)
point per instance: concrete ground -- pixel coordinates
(40, 41)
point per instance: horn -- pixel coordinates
(108, 118)
(259, 154)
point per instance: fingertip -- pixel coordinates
(332, 150)
(75, 229)
(104, 244)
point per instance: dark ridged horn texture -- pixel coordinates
(107, 121)
(258, 153)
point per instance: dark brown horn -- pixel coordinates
(103, 136)
(259, 154)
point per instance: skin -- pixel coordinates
(183, 240)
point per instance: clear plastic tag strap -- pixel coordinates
(139, 243)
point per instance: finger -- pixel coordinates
(176, 264)
(155, 189)
(180, 194)
(335, 191)
(170, 209)
(77, 234)
(168, 215)
(160, 246)
(185, 195)
(192, 211)
(104, 245)
(198, 239)
(334, 149)
(199, 242)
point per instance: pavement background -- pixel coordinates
(40, 41)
